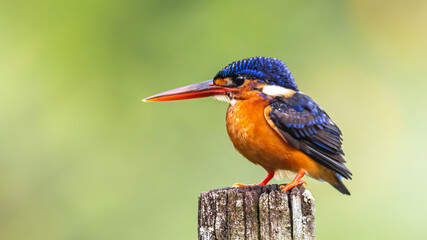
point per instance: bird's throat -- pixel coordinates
(225, 98)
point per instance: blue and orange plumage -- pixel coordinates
(272, 123)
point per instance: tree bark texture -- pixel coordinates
(260, 212)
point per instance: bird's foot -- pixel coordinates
(291, 185)
(296, 182)
(264, 182)
(245, 185)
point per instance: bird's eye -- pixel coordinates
(238, 80)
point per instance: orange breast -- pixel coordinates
(253, 137)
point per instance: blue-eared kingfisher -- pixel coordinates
(272, 123)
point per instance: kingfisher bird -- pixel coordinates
(272, 123)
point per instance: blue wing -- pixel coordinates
(307, 127)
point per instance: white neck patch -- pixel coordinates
(278, 91)
(224, 98)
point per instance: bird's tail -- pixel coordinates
(339, 185)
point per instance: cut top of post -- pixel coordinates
(259, 212)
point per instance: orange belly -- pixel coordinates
(253, 137)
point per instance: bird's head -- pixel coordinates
(257, 76)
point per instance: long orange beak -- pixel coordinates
(197, 90)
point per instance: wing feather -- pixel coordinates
(307, 127)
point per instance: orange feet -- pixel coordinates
(244, 185)
(297, 181)
(263, 183)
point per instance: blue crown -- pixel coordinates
(271, 70)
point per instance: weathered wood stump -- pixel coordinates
(261, 212)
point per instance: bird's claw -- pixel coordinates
(243, 185)
(291, 185)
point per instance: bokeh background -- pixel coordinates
(81, 157)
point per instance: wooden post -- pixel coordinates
(261, 212)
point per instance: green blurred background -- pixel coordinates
(81, 157)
